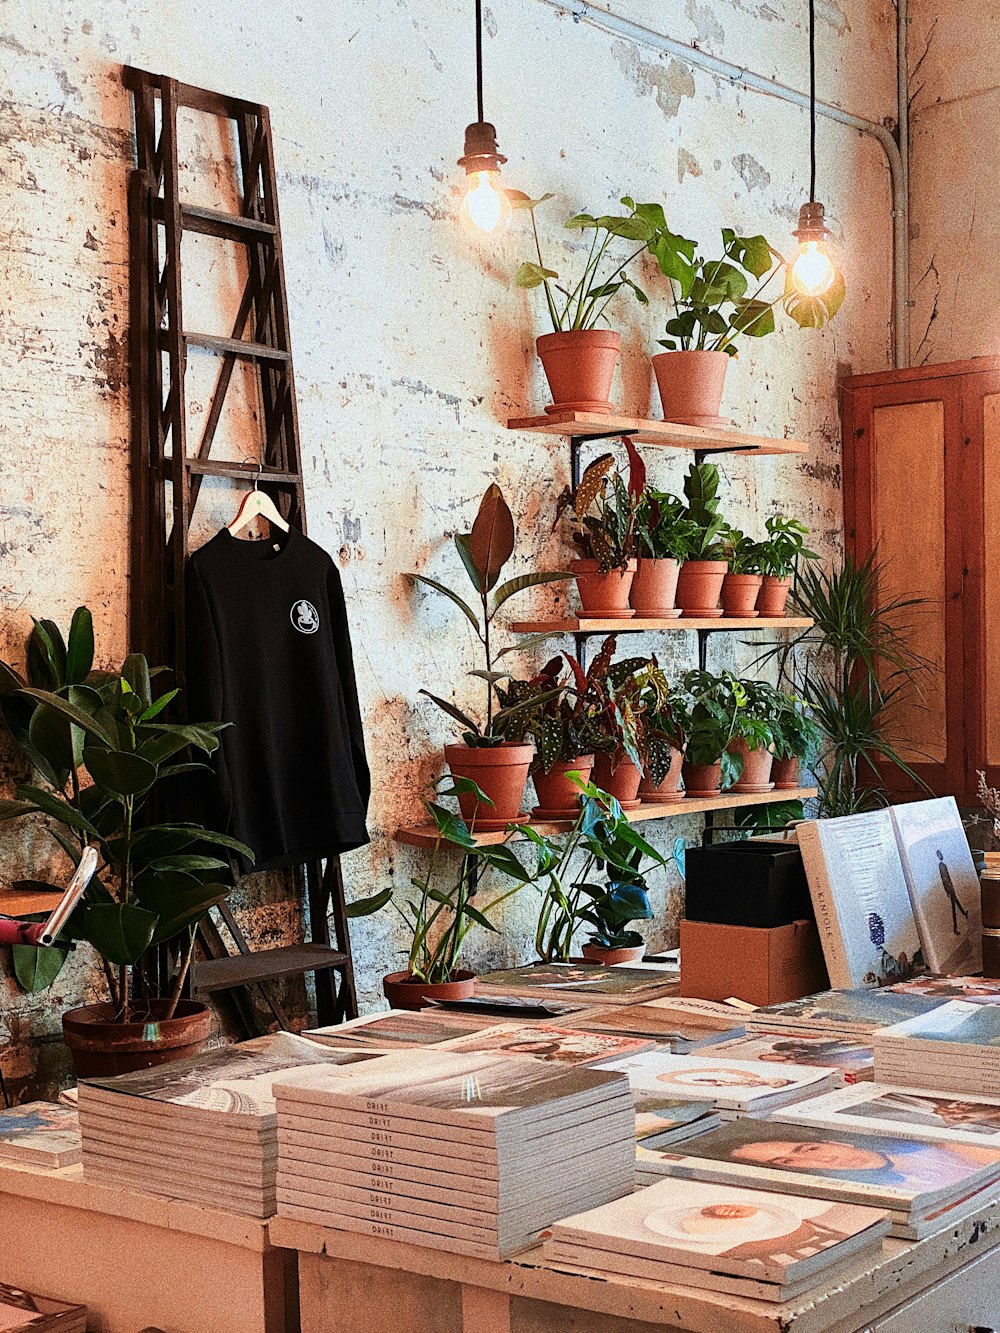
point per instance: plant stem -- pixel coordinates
(182, 971)
(590, 322)
(109, 977)
(553, 313)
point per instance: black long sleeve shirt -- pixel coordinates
(268, 649)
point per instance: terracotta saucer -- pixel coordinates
(603, 409)
(756, 790)
(668, 614)
(715, 614)
(606, 615)
(554, 816)
(713, 791)
(497, 825)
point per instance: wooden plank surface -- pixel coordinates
(647, 431)
(21, 902)
(643, 624)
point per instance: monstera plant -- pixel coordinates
(102, 757)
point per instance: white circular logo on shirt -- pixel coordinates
(304, 617)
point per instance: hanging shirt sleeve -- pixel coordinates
(204, 696)
(345, 665)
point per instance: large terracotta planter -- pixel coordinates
(773, 596)
(699, 587)
(739, 594)
(654, 588)
(785, 773)
(609, 957)
(604, 596)
(501, 771)
(102, 1048)
(558, 798)
(579, 366)
(756, 775)
(402, 993)
(623, 783)
(702, 779)
(690, 385)
(669, 788)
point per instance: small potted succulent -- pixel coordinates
(490, 755)
(797, 740)
(699, 584)
(714, 705)
(603, 510)
(778, 556)
(741, 586)
(753, 736)
(611, 913)
(447, 904)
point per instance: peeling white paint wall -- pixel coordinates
(412, 346)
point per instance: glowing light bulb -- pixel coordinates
(485, 206)
(813, 271)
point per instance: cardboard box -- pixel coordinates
(758, 883)
(759, 965)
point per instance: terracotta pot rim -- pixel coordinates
(744, 578)
(581, 761)
(706, 566)
(778, 580)
(505, 748)
(693, 352)
(405, 978)
(91, 1018)
(585, 565)
(567, 337)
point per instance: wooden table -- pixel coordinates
(137, 1259)
(946, 1283)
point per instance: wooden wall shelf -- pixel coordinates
(425, 835)
(23, 902)
(641, 624)
(580, 425)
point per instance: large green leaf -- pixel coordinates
(51, 736)
(491, 541)
(48, 634)
(10, 681)
(179, 901)
(135, 670)
(366, 906)
(513, 586)
(120, 932)
(37, 968)
(80, 650)
(453, 711)
(158, 705)
(533, 275)
(14, 809)
(73, 714)
(118, 771)
(58, 809)
(187, 862)
(447, 592)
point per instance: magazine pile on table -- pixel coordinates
(671, 1119)
(586, 983)
(743, 1242)
(854, 1059)
(400, 1029)
(850, 1014)
(553, 1043)
(40, 1134)
(23, 1312)
(954, 1047)
(201, 1129)
(471, 1152)
(682, 1022)
(920, 1113)
(924, 1186)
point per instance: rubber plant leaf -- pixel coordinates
(58, 809)
(80, 650)
(447, 592)
(36, 969)
(118, 771)
(514, 586)
(73, 714)
(492, 538)
(54, 646)
(120, 932)
(463, 544)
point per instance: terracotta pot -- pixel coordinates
(595, 954)
(690, 385)
(654, 587)
(558, 797)
(604, 596)
(402, 993)
(669, 788)
(700, 586)
(785, 773)
(579, 366)
(756, 776)
(702, 779)
(102, 1048)
(623, 783)
(501, 771)
(739, 594)
(773, 596)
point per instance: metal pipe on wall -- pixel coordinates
(583, 11)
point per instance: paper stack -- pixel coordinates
(955, 1047)
(587, 983)
(683, 1022)
(469, 1152)
(924, 1186)
(739, 1241)
(23, 1312)
(40, 1134)
(549, 1042)
(671, 1120)
(916, 1113)
(845, 1013)
(201, 1129)
(854, 1059)
(399, 1029)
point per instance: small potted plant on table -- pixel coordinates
(610, 914)
(700, 582)
(603, 511)
(778, 556)
(741, 586)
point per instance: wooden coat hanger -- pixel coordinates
(256, 503)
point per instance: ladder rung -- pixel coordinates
(236, 347)
(241, 969)
(227, 225)
(210, 467)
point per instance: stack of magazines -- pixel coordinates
(202, 1129)
(742, 1242)
(40, 1134)
(955, 1047)
(853, 1014)
(470, 1152)
(583, 983)
(22, 1312)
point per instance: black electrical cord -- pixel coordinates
(812, 99)
(479, 59)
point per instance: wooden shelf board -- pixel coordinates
(582, 625)
(425, 835)
(647, 431)
(239, 969)
(22, 902)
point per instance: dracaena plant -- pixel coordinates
(484, 552)
(101, 751)
(783, 547)
(796, 735)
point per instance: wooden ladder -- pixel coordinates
(166, 476)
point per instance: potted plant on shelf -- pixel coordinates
(741, 586)
(699, 584)
(797, 740)
(663, 536)
(445, 906)
(102, 754)
(487, 755)
(714, 704)
(578, 356)
(753, 736)
(778, 556)
(667, 722)
(603, 510)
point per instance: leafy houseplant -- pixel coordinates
(663, 535)
(610, 914)
(603, 510)
(779, 555)
(700, 582)
(487, 756)
(667, 722)
(714, 705)
(102, 752)
(443, 909)
(741, 586)
(797, 740)
(753, 735)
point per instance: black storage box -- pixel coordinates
(757, 883)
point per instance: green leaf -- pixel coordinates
(580, 222)
(453, 711)
(533, 275)
(447, 592)
(118, 771)
(754, 318)
(188, 862)
(51, 736)
(367, 906)
(80, 652)
(14, 809)
(158, 705)
(518, 199)
(58, 809)
(73, 714)
(37, 968)
(176, 901)
(135, 670)
(513, 586)
(10, 681)
(53, 646)
(120, 932)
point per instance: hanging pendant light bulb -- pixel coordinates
(485, 206)
(813, 271)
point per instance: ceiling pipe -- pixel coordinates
(583, 11)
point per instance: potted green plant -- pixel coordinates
(618, 695)
(741, 586)
(101, 754)
(603, 530)
(611, 913)
(578, 356)
(714, 704)
(487, 756)
(779, 554)
(666, 723)
(446, 904)
(663, 536)
(797, 740)
(699, 584)
(753, 736)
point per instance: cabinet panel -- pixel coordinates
(967, 1300)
